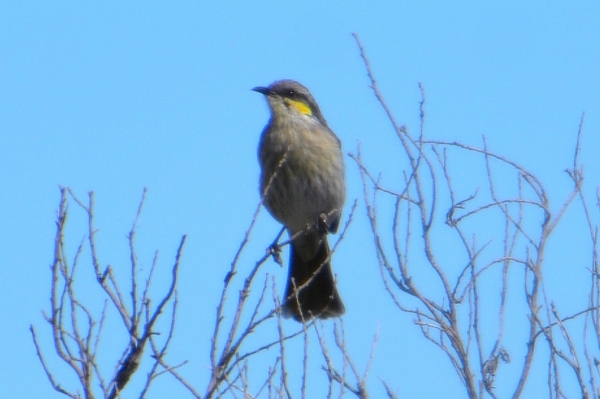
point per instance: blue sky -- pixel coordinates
(115, 97)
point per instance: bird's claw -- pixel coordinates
(321, 224)
(274, 250)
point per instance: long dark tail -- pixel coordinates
(319, 298)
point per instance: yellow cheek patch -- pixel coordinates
(300, 106)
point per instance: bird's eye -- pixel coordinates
(292, 94)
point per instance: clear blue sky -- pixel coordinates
(114, 97)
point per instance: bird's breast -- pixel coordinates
(303, 162)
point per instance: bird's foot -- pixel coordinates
(274, 250)
(321, 224)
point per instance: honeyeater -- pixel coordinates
(303, 187)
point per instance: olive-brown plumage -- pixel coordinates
(302, 180)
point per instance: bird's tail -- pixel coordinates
(319, 298)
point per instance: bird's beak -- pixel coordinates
(263, 90)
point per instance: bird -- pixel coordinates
(302, 184)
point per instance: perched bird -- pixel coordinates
(303, 184)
